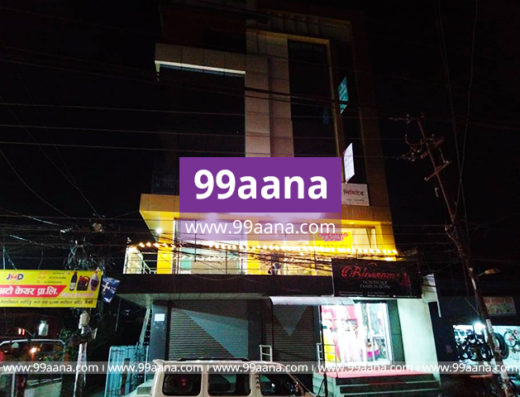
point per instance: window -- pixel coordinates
(278, 385)
(356, 333)
(228, 385)
(181, 384)
(313, 128)
(205, 118)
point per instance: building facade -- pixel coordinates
(270, 79)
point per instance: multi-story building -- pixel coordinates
(273, 79)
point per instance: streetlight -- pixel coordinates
(487, 272)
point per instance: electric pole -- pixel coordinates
(80, 379)
(430, 147)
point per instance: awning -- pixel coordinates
(311, 300)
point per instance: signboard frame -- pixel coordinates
(50, 288)
(373, 278)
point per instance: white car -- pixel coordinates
(220, 378)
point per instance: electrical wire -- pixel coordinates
(50, 159)
(214, 134)
(460, 189)
(169, 150)
(23, 181)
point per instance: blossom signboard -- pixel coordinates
(49, 288)
(359, 277)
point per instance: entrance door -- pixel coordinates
(357, 333)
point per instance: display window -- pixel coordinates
(472, 345)
(356, 333)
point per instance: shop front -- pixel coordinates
(356, 333)
(461, 335)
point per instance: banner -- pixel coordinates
(109, 288)
(260, 184)
(49, 288)
(358, 277)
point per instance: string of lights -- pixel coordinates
(242, 248)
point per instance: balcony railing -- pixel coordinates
(137, 262)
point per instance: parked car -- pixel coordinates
(187, 380)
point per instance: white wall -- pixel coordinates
(417, 332)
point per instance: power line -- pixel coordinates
(50, 159)
(29, 228)
(167, 150)
(290, 98)
(214, 134)
(75, 21)
(117, 218)
(460, 189)
(22, 180)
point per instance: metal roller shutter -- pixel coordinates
(290, 330)
(208, 329)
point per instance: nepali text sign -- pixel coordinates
(49, 288)
(500, 305)
(357, 277)
(355, 194)
(260, 184)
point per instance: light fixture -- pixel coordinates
(159, 230)
(487, 272)
(478, 326)
(43, 328)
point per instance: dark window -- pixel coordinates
(181, 384)
(350, 116)
(313, 128)
(205, 119)
(278, 385)
(228, 385)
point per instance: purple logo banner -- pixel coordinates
(260, 184)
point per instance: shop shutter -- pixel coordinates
(191, 337)
(292, 328)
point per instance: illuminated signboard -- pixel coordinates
(348, 163)
(49, 288)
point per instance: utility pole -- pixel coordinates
(430, 146)
(80, 380)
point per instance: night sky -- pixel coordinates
(100, 54)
